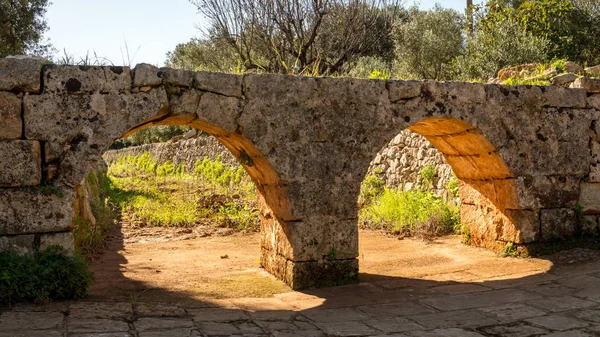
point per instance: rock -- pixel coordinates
(22, 244)
(21, 73)
(589, 84)
(563, 79)
(558, 223)
(593, 71)
(403, 89)
(146, 75)
(65, 240)
(53, 211)
(177, 77)
(193, 133)
(20, 163)
(590, 198)
(11, 124)
(594, 101)
(84, 79)
(222, 84)
(552, 71)
(574, 68)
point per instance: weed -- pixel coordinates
(510, 249)
(427, 176)
(522, 81)
(380, 75)
(47, 274)
(466, 235)
(51, 190)
(371, 188)
(452, 186)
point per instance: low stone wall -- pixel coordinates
(179, 152)
(400, 162)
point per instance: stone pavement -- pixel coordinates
(565, 301)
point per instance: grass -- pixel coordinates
(169, 195)
(47, 274)
(416, 212)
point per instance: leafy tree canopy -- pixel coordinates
(22, 25)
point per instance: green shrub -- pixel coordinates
(452, 186)
(371, 188)
(427, 176)
(48, 274)
(166, 169)
(411, 212)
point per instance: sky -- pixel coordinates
(149, 28)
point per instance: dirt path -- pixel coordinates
(165, 264)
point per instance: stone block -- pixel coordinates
(146, 75)
(526, 226)
(177, 77)
(564, 98)
(64, 239)
(540, 191)
(593, 71)
(590, 198)
(20, 74)
(20, 163)
(23, 244)
(26, 211)
(86, 79)
(587, 83)
(593, 101)
(563, 79)
(403, 89)
(589, 225)
(218, 83)
(11, 124)
(220, 111)
(558, 223)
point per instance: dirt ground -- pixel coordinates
(157, 264)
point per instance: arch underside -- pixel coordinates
(488, 192)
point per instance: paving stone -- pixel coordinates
(479, 300)
(111, 310)
(184, 332)
(76, 325)
(393, 324)
(32, 333)
(218, 315)
(512, 312)
(451, 332)
(351, 328)
(562, 303)
(396, 309)
(102, 334)
(463, 288)
(12, 320)
(158, 310)
(151, 323)
(457, 319)
(549, 289)
(218, 328)
(249, 327)
(588, 315)
(303, 333)
(335, 315)
(273, 315)
(277, 326)
(556, 322)
(517, 330)
(571, 333)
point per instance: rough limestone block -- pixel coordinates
(27, 211)
(526, 226)
(587, 83)
(64, 239)
(593, 71)
(558, 223)
(22, 244)
(11, 124)
(564, 97)
(20, 74)
(590, 198)
(84, 79)
(590, 225)
(220, 111)
(218, 83)
(177, 77)
(20, 163)
(146, 75)
(403, 89)
(594, 101)
(563, 79)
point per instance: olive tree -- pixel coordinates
(22, 25)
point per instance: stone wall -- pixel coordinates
(186, 152)
(401, 161)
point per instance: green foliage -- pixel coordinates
(452, 186)
(364, 67)
(491, 49)
(371, 188)
(47, 274)
(50, 190)
(376, 74)
(427, 176)
(22, 25)
(522, 81)
(426, 43)
(466, 235)
(410, 212)
(89, 237)
(154, 134)
(510, 249)
(167, 195)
